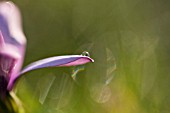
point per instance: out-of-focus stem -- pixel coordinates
(18, 102)
(11, 104)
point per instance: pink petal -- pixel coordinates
(12, 39)
(57, 61)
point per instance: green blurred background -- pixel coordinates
(129, 41)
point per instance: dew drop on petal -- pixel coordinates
(85, 53)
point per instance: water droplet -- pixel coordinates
(85, 53)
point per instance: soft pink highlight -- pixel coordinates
(79, 62)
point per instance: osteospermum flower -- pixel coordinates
(12, 49)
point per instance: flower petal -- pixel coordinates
(10, 24)
(70, 60)
(57, 61)
(1, 40)
(12, 39)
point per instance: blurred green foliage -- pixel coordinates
(129, 35)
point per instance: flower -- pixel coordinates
(12, 50)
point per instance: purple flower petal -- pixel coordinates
(10, 24)
(1, 40)
(69, 60)
(12, 40)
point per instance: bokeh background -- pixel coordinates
(129, 41)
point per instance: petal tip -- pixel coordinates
(91, 60)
